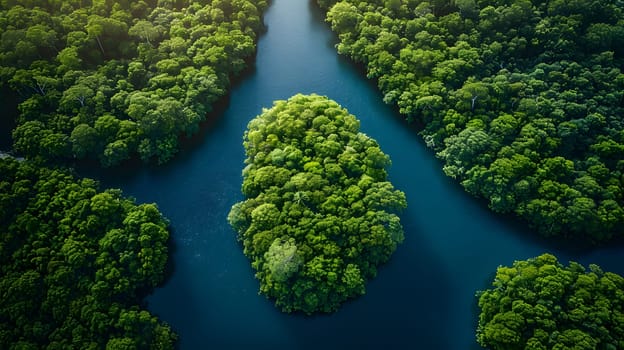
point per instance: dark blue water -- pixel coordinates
(423, 298)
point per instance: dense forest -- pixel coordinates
(541, 304)
(75, 262)
(522, 100)
(319, 215)
(112, 80)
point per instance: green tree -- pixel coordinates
(283, 260)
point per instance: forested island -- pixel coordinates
(540, 304)
(113, 80)
(522, 100)
(75, 262)
(319, 214)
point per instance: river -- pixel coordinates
(423, 298)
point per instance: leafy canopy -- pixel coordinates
(541, 304)
(75, 263)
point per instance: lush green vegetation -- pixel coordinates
(108, 80)
(75, 262)
(117, 79)
(319, 215)
(541, 304)
(522, 100)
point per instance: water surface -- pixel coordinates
(423, 298)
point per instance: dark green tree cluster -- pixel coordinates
(113, 80)
(541, 304)
(523, 100)
(74, 263)
(319, 215)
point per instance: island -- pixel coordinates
(319, 215)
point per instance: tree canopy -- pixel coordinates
(540, 304)
(75, 263)
(112, 80)
(521, 99)
(319, 216)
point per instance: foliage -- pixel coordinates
(113, 80)
(521, 99)
(319, 215)
(75, 262)
(540, 304)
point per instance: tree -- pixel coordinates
(146, 30)
(282, 259)
(463, 148)
(84, 140)
(343, 17)
(467, 8)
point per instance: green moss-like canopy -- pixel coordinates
(541, 304)
(75, 263)
(319, 215)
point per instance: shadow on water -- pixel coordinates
(194, 141)
(8, 118)
(215, 116)
(172, 248)
(317, 16)
(404, 305)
